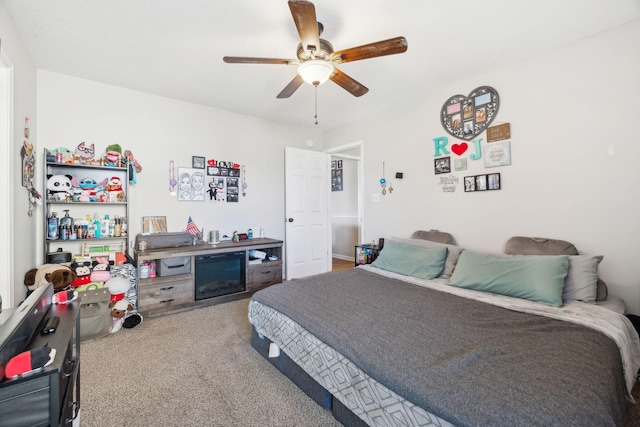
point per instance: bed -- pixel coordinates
(413, 339)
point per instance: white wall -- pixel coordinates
(22, 243)
(158, 130)
(566, 108)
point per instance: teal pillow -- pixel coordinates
(410, 260)
(538, 278)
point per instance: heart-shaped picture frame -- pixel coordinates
(465, 117)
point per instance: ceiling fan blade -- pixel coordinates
(348, 83)
(291, 87)
(304, 16)
(371, 50)
(247, 60)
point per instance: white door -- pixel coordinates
(307, 212)
(7, 288)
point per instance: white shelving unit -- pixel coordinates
(79, 210)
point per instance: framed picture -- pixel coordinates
(497, 154)
(469, 183)
(484, 182)
(336, 180)
(481, 182)
(191, 183)
(154, 224)
(198, 162)
(442, 165)
(493, 181)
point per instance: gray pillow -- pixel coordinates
(434, 236)
(453, 252)
(519, 245)
(410, 260)
(581, 282)
(537, 278)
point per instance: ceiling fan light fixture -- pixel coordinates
(315, 71)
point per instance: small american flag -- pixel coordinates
(192, 227)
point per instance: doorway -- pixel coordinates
(346, 205)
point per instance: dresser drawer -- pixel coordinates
(265, 274)
(155, 296)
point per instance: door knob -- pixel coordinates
(290, 219)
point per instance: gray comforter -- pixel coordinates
(465, 361)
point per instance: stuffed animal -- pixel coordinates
(86, 189)
(128, 155)
(59, 187)
(113, 155)
(60, 275)
(134, 166)
(114, 188)
(83, 273)
(118, 287)
(119, 312)
(84, 153)
(101, 271)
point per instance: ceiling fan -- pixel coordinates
(316, 58)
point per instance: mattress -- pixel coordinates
(377, 404)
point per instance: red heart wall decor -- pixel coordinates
(465, 117)
(459, 149)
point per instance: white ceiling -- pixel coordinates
(174, 48)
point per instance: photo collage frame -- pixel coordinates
(484, 182)
(220, 180)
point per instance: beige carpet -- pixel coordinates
(194, 368)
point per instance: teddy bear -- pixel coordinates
(59, 187)
(114, 188)
(124, 316)
(59, 275)
(119, 310)
(118, 287)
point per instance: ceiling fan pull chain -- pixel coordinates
(316, 100)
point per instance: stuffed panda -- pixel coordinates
(59, 187)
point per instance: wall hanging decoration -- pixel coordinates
(465, 117)
(336, 175)
(172, 178)
(244, 181)
(29, 169)
(449, 183)
(197, 162)
(225, 183)
(218, 189)
(483, 182)
(499, 132)
(191, 184)
(383, 181)
(460, 164)
(497, 154)
(442, 165)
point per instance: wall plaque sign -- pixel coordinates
(499, 132)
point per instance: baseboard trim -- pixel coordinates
(343, 257)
